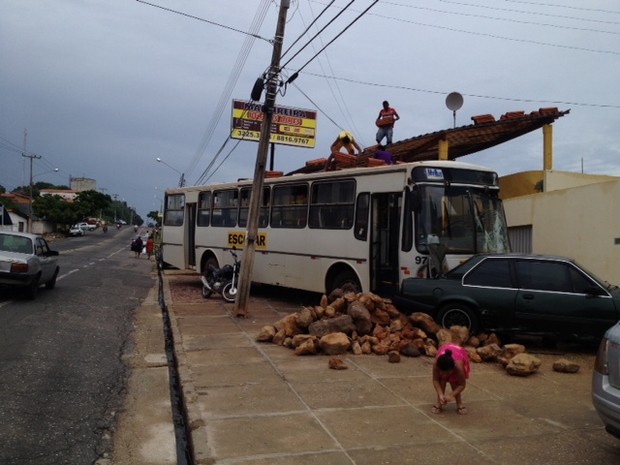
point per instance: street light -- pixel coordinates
(182, 180)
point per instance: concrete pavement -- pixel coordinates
(252, 403)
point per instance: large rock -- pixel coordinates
(361, 317)
(266, 334)
(523, 365)
(425, 321)
(305, 317)
(565, 366)
(334, 343)
(288, 325)
(489, 353)
(309, 346)
(338, 324)
(509, 351)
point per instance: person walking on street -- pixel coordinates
(150, 243)
(385, 122)
(451, 366)
(137, 246)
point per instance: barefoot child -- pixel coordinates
(451, 366)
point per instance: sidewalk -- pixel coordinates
(259, 404)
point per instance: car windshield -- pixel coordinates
(19, 244)
(465, 220)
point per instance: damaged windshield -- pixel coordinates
(464, 219)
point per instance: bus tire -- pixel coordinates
(457, 314)
(345, 279)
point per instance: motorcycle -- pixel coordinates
(222, 280)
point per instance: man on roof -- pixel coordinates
(385, 122)
(345, 140)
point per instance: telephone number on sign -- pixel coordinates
(292, 140)
(246, 134)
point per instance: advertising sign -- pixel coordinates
(290, 126)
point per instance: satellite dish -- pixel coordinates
(454, 101)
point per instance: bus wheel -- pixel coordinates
(458, 315)
(347, 281)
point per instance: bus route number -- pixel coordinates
(421, 260)
(237, 239)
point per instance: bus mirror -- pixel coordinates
(415, 199)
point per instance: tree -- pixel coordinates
(91, 203)
(154, 215)
(55, 209)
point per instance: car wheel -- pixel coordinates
(458, 315)
(33, 289)
(51, 284)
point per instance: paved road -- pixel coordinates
(62, 375)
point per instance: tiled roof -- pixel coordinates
(484, 133)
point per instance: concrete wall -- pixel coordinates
(581, 221)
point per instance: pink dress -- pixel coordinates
(458, 354)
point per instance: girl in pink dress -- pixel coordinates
(451, 366)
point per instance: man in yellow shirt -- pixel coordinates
(345, 139)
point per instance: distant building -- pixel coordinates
(68, 195)
(83, 184)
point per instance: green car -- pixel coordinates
(516, 293)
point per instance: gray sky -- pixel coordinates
(105, 87)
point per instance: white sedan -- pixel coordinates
(27, 262)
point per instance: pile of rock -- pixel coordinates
(365, 323)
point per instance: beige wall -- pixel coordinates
(581, 222)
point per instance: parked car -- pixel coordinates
(76, 231)
(87, 226)
(26, 261)
(606, 381)
(516, 293)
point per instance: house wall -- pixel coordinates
(579, 219)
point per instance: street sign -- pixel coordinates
(290, 126)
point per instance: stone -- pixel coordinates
(308, 347)
(334, 343)
(430, 348)
(523, 365)
(299, 339)
(410, 350)
(393, 356)
(396, 326)
(337, 364)
(425, 321)
(305, 317)
(324, 301)
(361, 317)
(279, 338)
(444, 336)
(565, 366)
(460, 335)
(288, 324)
(381, 348)
(489, 353)
(380, 317)
(339, 324)
(266, 334)
(356, 348)
(473, 355)
(492, 339)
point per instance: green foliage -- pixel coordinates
(56, 210)
(154, 215)
(91, 203)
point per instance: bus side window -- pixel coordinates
(362, 210)
(204, 209)
(290, 206)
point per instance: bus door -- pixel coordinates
(190, 231)
(384, 233)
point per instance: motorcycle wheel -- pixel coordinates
(206, 292)
(228, 297)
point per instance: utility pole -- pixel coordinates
(31, 156)
(247, 261)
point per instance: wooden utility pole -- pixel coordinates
(247, 261)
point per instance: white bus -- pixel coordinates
(371, 226)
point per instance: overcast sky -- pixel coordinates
(104, 87)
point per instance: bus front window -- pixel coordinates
(465, 220)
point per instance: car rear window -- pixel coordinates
(491, 272)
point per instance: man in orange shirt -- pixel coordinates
(385, 121)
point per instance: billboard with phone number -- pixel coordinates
(290, 126)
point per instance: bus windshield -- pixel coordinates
(464, 219)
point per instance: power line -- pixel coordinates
(197, 18)
(569, 7)
(443, 92)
